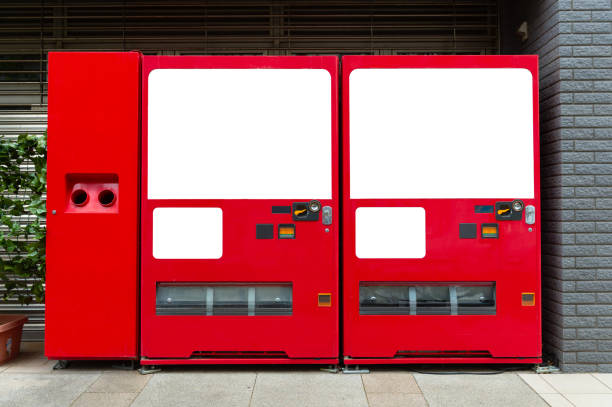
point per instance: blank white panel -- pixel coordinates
(239, 134)
(187, 233)
(390, 233)
(441, 133)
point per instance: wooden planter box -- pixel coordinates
(11, 327)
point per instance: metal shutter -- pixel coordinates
(30, 29)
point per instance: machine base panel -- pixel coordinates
(239, 361)
(421, 360)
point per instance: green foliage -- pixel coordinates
(22, 215)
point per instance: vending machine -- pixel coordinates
(239, 215)
(194, 209)
(441, 209)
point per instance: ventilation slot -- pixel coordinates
(443, 354)
(211, 354)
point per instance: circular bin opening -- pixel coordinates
(106, 197)
(79, 197)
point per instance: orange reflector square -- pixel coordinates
(489, 230)
(527, 299)
(286, 231)
(324, 299)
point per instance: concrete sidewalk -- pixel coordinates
(30, 381)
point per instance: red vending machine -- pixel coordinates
(92, 206)
(239, 215)
(441, 209)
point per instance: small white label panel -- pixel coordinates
(441, 133)
(239, 134)
(390, 233)
(187, 233)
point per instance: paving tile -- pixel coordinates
(396, 399)
(84, 366)
(590, 400)
(31, 354)
(605, 378)
(30, 365)
(39, 365)
(119, 382)
(477, 390)
(104, 400)
(197, 389)
(32, 347)
(308, 389)
(576, 383)
(25, 357)
(390, 382)
(536, 382)
(35, 390)
(556, 400)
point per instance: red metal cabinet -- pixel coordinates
(237, 182)
(92, 206)
(453, 280)
(230, 146)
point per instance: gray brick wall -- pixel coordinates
(574, 42)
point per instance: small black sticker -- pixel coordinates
(483, 208)
(264, 231)
(281, 209)
(467, 230)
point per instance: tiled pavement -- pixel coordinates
(561, 390)
(30, 381)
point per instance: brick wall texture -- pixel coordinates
(574, 41)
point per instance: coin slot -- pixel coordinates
(314, 206)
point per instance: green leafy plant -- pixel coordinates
(23, 180)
